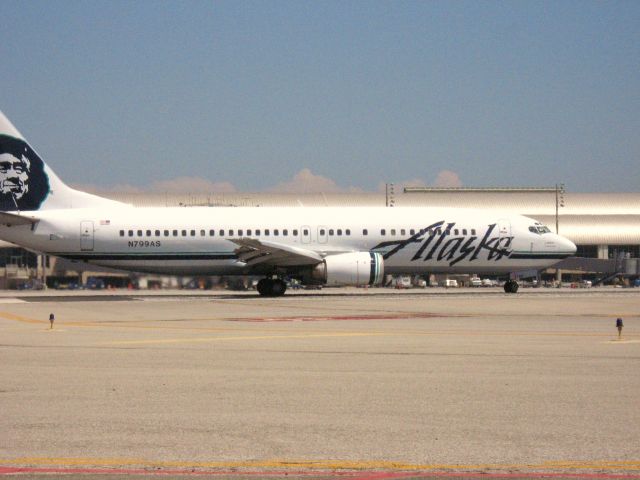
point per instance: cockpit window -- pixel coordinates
(539, 229)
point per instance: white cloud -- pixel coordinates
(447, 178)
(305, 181)
(444, 179)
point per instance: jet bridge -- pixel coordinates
(609, 268)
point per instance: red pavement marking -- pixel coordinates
(489, 476)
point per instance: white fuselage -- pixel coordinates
(197, 240)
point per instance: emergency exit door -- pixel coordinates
(86, 235)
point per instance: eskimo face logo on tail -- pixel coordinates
(23, 183)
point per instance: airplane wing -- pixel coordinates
(254, 252)
(11, 219)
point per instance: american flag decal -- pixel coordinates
(105, 222)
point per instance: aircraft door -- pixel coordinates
(504, 228)
(322, 234)
(305, 234)
(86, 236)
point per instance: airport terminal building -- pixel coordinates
(604, 226)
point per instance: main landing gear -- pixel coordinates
(511, 286)
(271, 287)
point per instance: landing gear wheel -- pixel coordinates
(511, 286)
(278, 288)
(264, 286)
(271, 288)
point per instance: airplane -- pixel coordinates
(352, 246)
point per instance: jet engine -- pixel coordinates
(351, 269)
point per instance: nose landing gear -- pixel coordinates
(271, 287)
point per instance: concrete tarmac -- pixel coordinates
(322, 384)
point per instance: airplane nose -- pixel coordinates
(567, 246)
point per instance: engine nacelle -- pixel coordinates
(351, 269)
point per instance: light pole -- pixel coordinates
(390, 192)
(559, 205)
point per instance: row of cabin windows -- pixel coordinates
(285, 232)
(431, 231)
(322, 232)
(212, 233)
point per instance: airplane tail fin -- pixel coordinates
(29, 184)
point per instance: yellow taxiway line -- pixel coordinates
(20, 318)
(630, 465)
(242, 337)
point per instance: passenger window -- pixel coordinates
(240, 232)
(322, 231)
(403, 232)
(331, 231)
(231, 233)
(295, 233)
(175, 233)
(365, 231)
(473, 231)
(257, 233)
(285, 232)
(347, 232)
(193, 233)
(383, 232)
(339, 231)
(248, 232)
(122, 233)
(456, 231)
(184, 233)
(276, 232)
(148, 233)
(266, 232)
(464, 231)
(305, 232)
(412, 232)
(393, 231)
(221, 232)
(157, 233)
(202, 233)
(131, 233)
(212, 233)
(166, 233)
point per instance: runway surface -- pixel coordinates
(343, 383)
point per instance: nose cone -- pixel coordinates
(566, 246)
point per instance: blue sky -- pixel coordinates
(260, 95)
